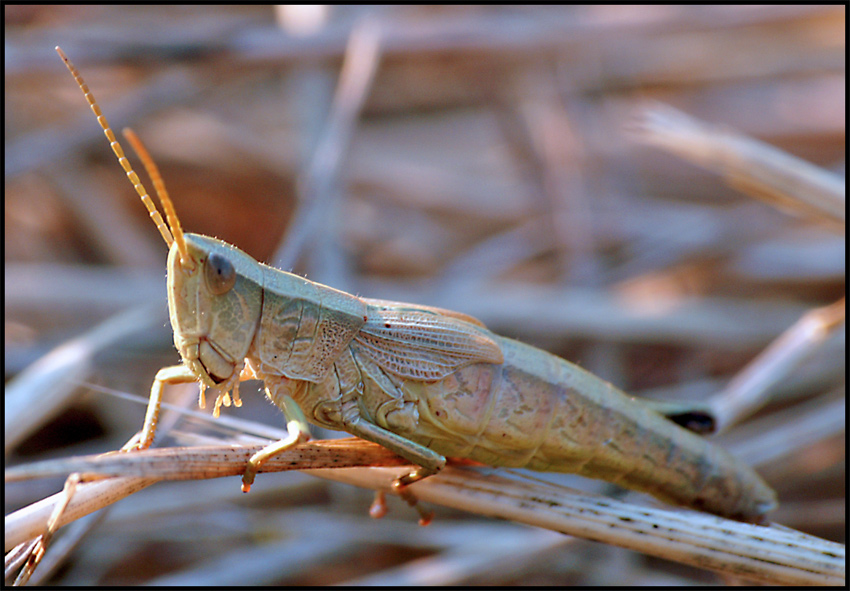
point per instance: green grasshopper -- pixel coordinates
(424, 382)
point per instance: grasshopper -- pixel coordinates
(422, 381)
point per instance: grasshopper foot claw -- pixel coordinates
(378, 509)
(248, 478)
(400, 487)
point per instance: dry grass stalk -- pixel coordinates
(754, 167)
(765, 554)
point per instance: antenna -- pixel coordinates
(149, 165)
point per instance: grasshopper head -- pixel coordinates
(215, 291)
(215, 303)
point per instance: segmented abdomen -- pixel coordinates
(538, 411)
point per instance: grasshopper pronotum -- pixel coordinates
(424, 382)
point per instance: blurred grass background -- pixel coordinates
(488, 170)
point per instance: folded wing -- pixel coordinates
(423, 343)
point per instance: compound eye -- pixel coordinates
(220, 274)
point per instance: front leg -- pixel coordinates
(175, 374)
